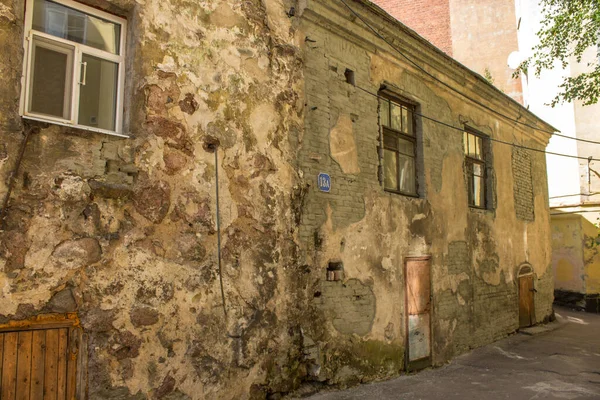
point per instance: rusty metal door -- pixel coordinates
(417, 274)
(526, 304)
(38, 363)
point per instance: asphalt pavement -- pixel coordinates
(559, 361)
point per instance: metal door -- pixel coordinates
(526, 304)
(38, 363)
(417, 274)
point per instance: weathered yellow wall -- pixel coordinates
(575, 254)
(591, 257)
(475, 253)
(567, 253)
(123, 231)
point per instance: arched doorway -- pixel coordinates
(526, 296)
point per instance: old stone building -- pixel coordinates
(224, 199)
(492, 38)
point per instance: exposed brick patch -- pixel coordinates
(523, 184)
(350, 304)
(429, 18)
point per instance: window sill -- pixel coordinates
(77, 127)
(413, 196)
(480, 209)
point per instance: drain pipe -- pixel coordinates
(13, 175)
(212, 145)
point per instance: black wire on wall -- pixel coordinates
(420, 68)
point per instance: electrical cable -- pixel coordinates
(491, 139)
(576, 212)
(357, 15)
(218, 218)
(575, 194)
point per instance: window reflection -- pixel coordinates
(67, 23)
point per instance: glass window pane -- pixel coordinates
(406, 171)
(51, 79)
(472, 145)
(478, 191)
(410, 122)
(98, 96)
(406, 147)
(396, 117)
(385, 113)
(478, 147)
(477, 170)
(70, 24)
(390, 141)
(404, 120)
(390, 170)
(466, 142)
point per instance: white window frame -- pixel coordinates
(79, 50)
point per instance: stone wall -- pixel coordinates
(123, 230)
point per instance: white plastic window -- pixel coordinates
(74, 66)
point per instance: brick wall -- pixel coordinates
(523, 184)
(349, 305)
(429, 18)
(326, 102)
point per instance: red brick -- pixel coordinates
(429, 18)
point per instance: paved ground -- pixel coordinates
(559, 364)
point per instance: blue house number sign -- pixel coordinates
(324, 182)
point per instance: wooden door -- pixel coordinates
(38, 364)
(526, 303)
(418, 312)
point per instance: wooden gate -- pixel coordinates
(39, 359)
(417, 272)
(526, 298)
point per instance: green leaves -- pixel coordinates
(569, 29)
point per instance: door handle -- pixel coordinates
(533, 290)
(82, 82)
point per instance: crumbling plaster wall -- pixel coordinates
(475, 254)
(576, 260)
(123, 230)
(567, 253)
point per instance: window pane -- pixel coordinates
(406, 147)
(477, 169)
(466, 142)
(385, 113)
(409, 122)
(404, 120)
(406, 171)
(478, 191)
(70, 24)
(471, 145)
(478, 147)
(396, 117)
(390, 141)
(390, 170)
(98, 96)
(51, 78)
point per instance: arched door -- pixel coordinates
(526, 297)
